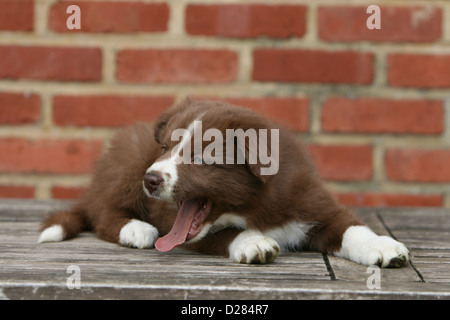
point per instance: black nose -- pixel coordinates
(152, 181)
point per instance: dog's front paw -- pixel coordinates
(253, 247)
(138, 234)
(386, 252)
(361, 245)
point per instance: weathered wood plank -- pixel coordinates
(434, 265)
(349, 271)
(419, 228)
(370, 217)
(31, 270)
(307, 290)
(29, 210)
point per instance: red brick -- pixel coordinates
(343, 162)
(50, 63)
(372, 199)
(291, 112)
(176, 66)
(48, 156)
(20, 192)
(118, 17)
(17, 15)
(18, 108)
(418, 165)
(368, 115)
(419, 70)
(398, 24)
(107, 110)
(246, 21)
(66, 192)
(316, 66)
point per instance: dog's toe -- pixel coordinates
(397, 262)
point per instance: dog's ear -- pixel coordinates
(255, 168)
(164, 118)
(161, 124)
(260, 149)
(265, 163)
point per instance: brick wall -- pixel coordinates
(373, 105)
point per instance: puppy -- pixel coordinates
(199, 179)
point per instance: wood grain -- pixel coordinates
(108, 271)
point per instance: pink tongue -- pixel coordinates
(180, 228)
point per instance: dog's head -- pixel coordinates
(209, 165)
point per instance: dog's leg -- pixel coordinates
(120, 228)
(63, 225)
(346, 237)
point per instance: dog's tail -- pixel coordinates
(63, 225)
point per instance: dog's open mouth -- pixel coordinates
(188, 223)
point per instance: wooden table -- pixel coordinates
(107, 271)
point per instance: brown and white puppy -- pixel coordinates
(142, 195)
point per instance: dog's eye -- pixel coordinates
(164, 148)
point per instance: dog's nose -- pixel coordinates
(152, 181)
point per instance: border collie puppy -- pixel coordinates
(217, 179)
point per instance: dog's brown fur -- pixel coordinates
(295, 193)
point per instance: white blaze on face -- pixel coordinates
(168, 170)
(168, 167)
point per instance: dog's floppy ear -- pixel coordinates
(255, 168)
(259, 149)
(161, 124)
(163, 119)
(267, 158)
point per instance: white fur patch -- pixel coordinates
(251, 246)
(138, 234)
(54, 233)
(290, 236)
(168, 166)
(168, 170)
(361, 245)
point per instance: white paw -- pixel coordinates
(361, 245)
(138, 234)
(54, 233)
(253, 247)
(386, 252)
